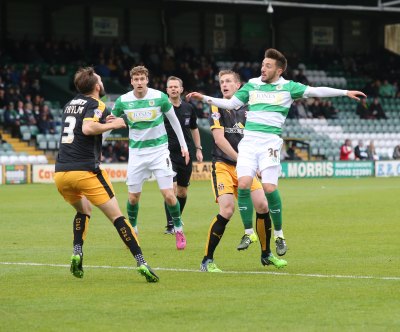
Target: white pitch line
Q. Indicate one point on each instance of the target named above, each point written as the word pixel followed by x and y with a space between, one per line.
pixel 312 275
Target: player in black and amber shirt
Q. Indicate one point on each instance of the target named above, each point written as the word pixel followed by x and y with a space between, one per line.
pixel 78 176
pixel 187 117
pixel 80 152
pixel 227 129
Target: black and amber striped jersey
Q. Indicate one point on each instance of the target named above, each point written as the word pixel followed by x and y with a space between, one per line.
pixel 79 152
pixel 232 122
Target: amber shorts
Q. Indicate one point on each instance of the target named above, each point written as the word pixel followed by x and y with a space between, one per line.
pixel 73 185
pixel 224 180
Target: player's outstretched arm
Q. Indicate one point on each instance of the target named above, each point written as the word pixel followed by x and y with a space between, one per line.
pixel 356 94
pixel 173 120
pixel 230 104
pixel 322 91
pixel 194 95
pixel 90 127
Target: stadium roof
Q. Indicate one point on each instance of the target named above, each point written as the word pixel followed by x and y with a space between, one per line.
pixel 360 5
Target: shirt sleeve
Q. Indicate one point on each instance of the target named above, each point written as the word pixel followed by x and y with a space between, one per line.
pixel 176 126
pixel 96 111
pixel 228 104
pixel 215 118
pixel 118 109
pixel 165 104
pixel 243 93
pixel 297 90
pixel 193 117
pixel 321 92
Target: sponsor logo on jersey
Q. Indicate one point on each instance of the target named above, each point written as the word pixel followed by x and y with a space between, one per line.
pixel 216 116
pixel 141 115
pixel 262 97
pixel 236 129
pixel 98 113
pixel 187 121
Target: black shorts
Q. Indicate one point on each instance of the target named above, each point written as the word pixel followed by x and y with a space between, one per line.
pixel 183 172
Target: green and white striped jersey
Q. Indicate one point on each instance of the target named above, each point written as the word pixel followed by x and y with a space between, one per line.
pixel 268 104
pixel 147 133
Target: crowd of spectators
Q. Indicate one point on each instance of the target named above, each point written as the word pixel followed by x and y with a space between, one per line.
pixel 313 108
pixel 22 100
pixel 372 111
pixel 360 151
pixel 20 85
pixel 116 152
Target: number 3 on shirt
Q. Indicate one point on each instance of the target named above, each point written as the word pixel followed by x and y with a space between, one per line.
pixel 69 127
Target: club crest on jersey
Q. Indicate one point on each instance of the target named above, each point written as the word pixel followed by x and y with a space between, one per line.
pixel 221 187
pixel 98 113
pixel 216 116
pixel 256 86
pixel 151 102
pixel 279 87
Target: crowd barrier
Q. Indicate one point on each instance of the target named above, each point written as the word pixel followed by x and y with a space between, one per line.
pixel 21 174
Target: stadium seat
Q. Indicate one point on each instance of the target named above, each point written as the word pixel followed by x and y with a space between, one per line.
pixel 4 160
pixel 32 159
pixel 23 159
pixel 42 159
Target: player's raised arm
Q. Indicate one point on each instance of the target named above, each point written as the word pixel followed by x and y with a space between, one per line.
pixel 229 104
pixel 95 128
pixel 353 94
pixel 173 120
pixel 321 92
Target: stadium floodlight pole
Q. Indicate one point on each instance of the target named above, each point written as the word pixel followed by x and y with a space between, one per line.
pixel 270 11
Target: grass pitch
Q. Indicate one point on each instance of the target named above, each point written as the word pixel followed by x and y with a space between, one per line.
pixel 343 270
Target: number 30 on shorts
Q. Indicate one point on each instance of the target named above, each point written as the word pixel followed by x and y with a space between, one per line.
pixel 273 153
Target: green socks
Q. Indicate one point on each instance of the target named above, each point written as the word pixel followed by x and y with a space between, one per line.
pixel 133 211
pixel 175 212
pixel 245 207
pixel 275 208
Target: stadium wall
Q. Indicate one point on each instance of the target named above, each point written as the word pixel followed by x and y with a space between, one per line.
pixel 22 174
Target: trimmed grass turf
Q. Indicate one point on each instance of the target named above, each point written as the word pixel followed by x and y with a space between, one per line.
pixel 346 227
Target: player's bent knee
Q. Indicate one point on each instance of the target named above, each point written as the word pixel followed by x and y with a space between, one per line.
pixel 245 182
pixel 269 188
pixel 133 198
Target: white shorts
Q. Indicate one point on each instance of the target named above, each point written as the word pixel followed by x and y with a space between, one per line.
pixel 260 153
pixel 141 167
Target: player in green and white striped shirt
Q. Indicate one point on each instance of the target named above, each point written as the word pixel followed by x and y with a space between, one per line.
pixel 148 145
pixel 269 98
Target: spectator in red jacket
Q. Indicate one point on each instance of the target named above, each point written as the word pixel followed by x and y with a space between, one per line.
pixel 346 150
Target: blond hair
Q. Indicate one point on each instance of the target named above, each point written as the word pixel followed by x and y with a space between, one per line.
pixel 229 72
pixel 139 70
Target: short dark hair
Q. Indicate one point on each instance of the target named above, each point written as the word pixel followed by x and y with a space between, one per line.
pixel 278 56
pixel 85 80
pixel 174 78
